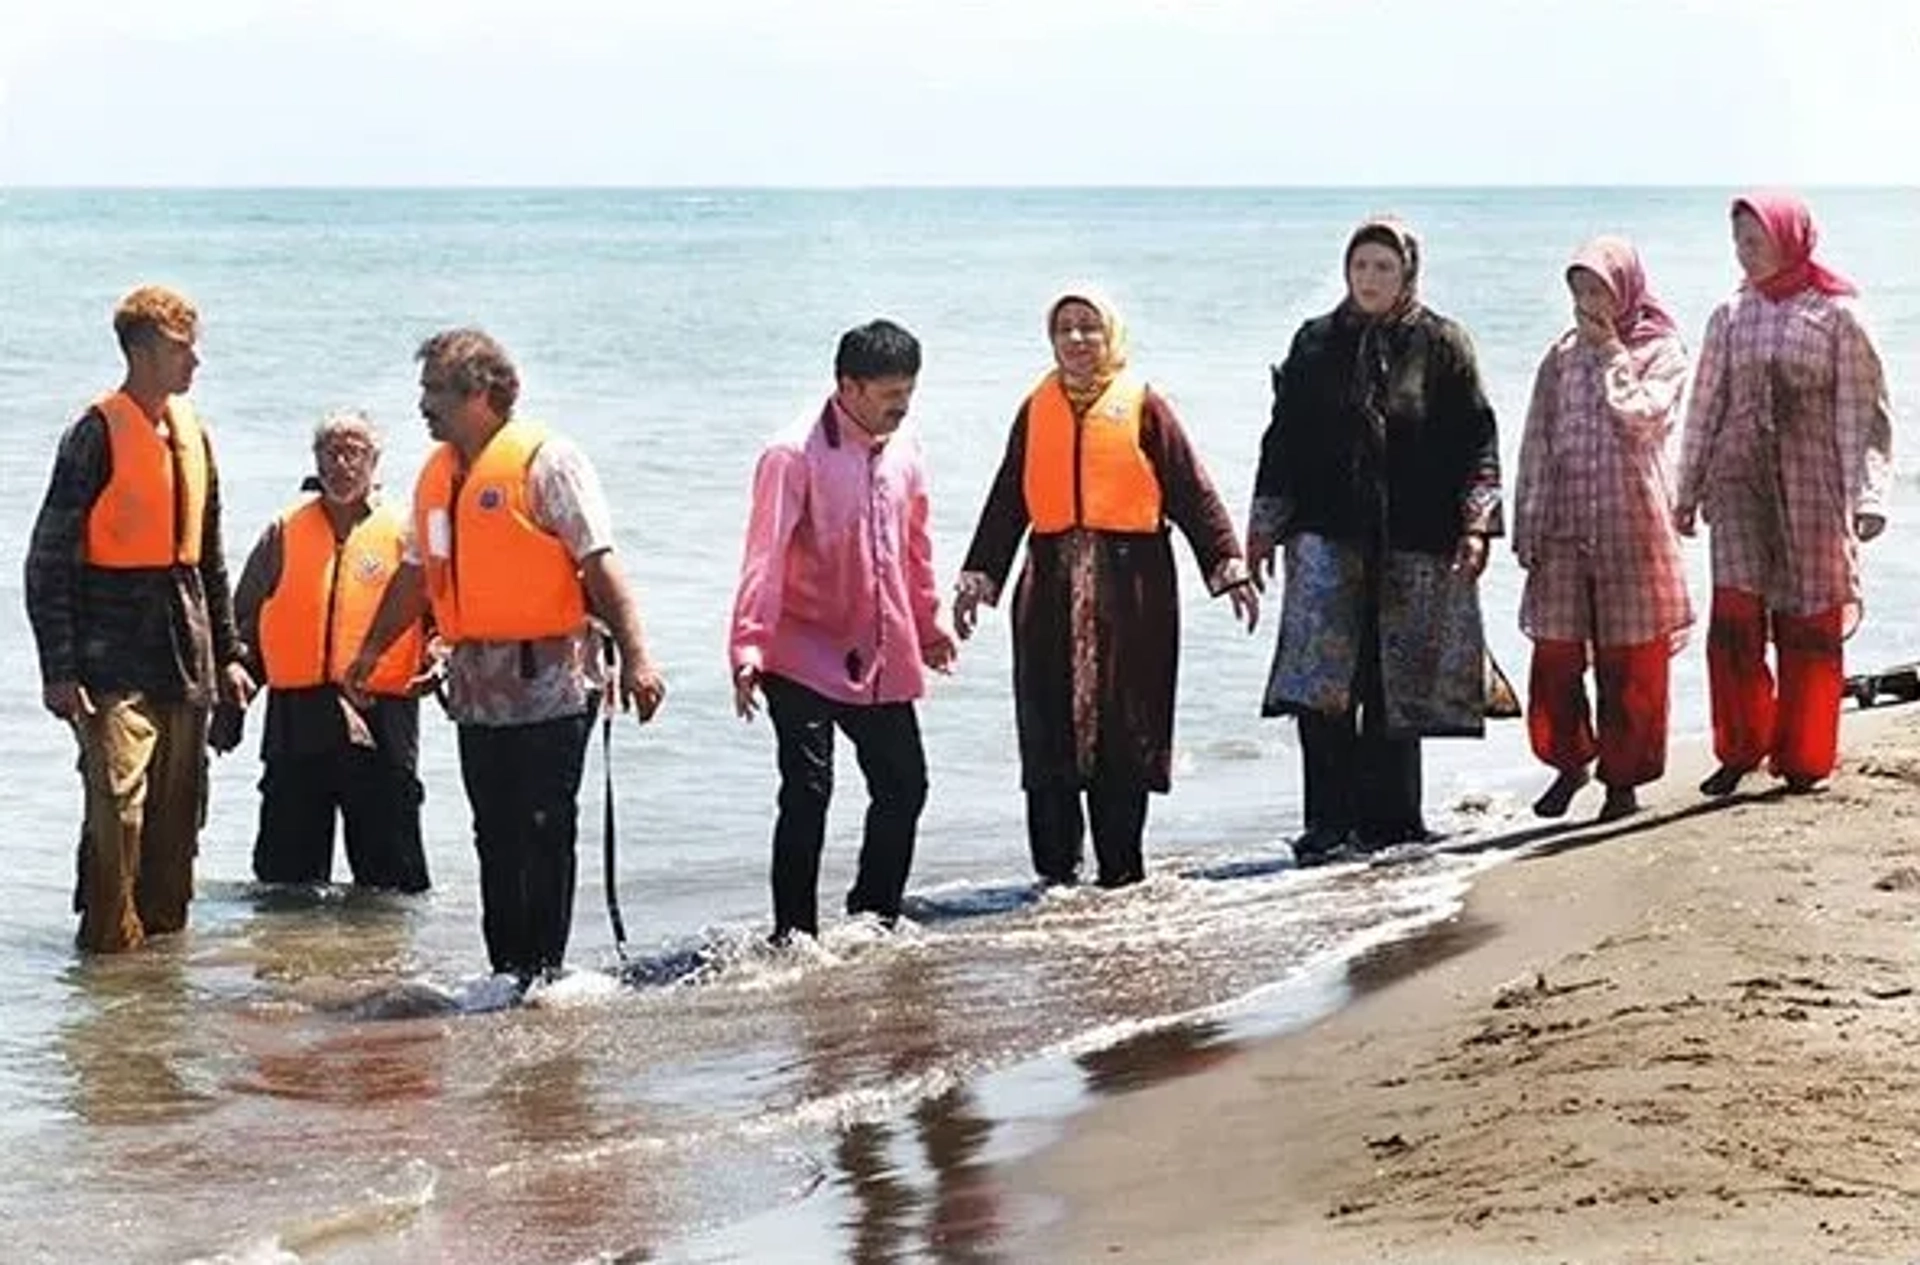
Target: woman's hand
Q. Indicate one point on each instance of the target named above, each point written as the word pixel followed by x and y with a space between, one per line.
pixel 1470 556
pixel 1246 604
pixel 1260 559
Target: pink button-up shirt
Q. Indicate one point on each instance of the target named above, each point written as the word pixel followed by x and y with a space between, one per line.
pixel 836 589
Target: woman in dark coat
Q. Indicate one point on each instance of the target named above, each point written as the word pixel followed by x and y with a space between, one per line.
pixel 1096 467
pixel 1379 480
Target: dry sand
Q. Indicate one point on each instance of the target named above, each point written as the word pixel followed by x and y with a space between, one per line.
pixel 1692 1036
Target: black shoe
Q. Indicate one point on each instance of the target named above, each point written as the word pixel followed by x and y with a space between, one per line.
pixel 1620 802
pixel 1724 781
pixel 858 904
pixel 1559 797
pixel 1375 836
pixel 1321 845
pixel 1801 784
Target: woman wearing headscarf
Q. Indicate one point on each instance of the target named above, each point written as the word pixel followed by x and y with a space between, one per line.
pixel 1379 480
pixel 1096 467
pixel 1593 527
pixel 1788 456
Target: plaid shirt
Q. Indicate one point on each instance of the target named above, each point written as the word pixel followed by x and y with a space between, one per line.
pixel 1593 523
pixel 153 630
pixel 1789 437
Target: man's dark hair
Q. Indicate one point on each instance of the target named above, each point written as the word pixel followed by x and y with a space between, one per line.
pixel 472 360
pixel 878 349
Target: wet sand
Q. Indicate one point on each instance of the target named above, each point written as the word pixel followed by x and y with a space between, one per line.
pixel 1690 1036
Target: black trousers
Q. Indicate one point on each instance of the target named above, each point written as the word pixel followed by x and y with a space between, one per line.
pixel 1357 778
pixel 886 741
pixel 1361 780
pixel 1117 808
pixel 378 801
pixel 523 783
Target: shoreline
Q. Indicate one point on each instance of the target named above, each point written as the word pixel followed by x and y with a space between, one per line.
pixel 1688 1034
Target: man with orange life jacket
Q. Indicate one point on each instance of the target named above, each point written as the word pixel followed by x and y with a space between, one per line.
pixel 1097 465
pixel 305 600
pixel 126 588
pixel 511 544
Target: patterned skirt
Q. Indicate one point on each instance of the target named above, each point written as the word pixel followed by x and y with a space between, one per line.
pixel 1339 607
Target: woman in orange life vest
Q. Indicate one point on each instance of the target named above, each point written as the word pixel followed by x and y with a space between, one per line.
pixel 304 603
pixel 1096 467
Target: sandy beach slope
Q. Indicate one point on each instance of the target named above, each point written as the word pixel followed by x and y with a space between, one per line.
pixel 1693 1036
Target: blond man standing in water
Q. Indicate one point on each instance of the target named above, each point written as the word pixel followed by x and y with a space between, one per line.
pixel 126 587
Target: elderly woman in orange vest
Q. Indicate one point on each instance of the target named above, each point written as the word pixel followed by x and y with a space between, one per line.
pixel 1096 467
pixel 304 603
pixel 1788 457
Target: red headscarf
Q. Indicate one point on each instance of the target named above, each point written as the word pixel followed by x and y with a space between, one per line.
pixel 1789 225
pixel 1641 317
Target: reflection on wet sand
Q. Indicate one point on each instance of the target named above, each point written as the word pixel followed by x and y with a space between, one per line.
pixel 884 1202
pixel 1161 1054
pixel 360 1067
pixel 311 939
pixel 1395 960
pixel 964 1221
pixel 946 1206
pixel 935 1200
pixel 315 950
pixel 130 1040
pixel 569 1185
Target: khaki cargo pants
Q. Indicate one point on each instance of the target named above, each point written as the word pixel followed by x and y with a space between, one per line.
pixel 144 765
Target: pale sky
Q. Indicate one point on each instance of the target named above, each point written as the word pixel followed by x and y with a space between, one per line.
pixel 958 92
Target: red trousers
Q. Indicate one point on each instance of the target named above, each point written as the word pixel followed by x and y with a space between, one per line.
pixel 1799 727
pixel 1631 737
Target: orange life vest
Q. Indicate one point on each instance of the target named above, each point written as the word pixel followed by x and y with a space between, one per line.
pixel 492 572
pixel 152 510
pixel 313 623
pixel 1090 473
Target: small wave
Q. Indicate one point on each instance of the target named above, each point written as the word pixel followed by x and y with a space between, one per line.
pixel 1238 868
pixel 575 990
pixel 962 900
pixel 411 1190
pixel 741 957
pixel 864 1105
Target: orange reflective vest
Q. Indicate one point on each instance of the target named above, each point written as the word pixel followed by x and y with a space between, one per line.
pixel 151 512
pixel 1090 473
pixel 492 572
pixel 314 621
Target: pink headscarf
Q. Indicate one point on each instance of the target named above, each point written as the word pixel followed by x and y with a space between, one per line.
pixel 1641 317
pixel 1790 226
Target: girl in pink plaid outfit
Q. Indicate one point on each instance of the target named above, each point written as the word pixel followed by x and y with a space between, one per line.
pixel 1788 456
pixel 1593 528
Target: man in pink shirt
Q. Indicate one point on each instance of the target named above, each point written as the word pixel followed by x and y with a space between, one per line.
pixel 836 618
